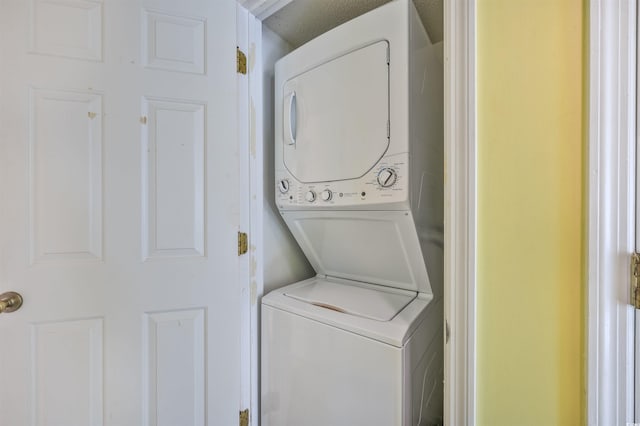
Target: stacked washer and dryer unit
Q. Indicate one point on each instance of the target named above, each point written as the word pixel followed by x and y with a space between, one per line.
pixel 359 177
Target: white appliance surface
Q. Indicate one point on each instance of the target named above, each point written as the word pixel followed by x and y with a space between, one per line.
pixel 336 116
pixel 318 371
pixel 393 332
pixel 332 147
pixel 358 175
pixel 379 247
pixel 354 299
pixel 332 377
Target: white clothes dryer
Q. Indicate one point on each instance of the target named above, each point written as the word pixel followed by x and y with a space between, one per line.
pixel 359 165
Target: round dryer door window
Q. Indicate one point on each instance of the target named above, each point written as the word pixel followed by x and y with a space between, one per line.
pixel 336 116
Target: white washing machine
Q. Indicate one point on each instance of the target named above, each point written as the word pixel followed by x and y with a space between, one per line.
pixel 359 176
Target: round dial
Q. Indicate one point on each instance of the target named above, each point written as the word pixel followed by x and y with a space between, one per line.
pixel 387 177
pixel 310 196
pixel 326 195
pixel 283 186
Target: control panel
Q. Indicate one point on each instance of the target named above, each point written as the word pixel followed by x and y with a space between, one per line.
pixel 387 182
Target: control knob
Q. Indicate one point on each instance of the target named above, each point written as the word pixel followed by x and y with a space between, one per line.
pixel 283 186
pixel 326 195
pixel 387 177
pixel 310 196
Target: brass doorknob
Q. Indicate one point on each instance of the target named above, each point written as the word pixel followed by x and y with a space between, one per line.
pixel 9 302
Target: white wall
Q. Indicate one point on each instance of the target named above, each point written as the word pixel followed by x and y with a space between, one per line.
pixel 284 262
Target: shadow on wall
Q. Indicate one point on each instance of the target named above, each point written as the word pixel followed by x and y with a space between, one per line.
pixel 284 262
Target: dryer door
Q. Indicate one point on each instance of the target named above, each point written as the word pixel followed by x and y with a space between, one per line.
pixel 336 115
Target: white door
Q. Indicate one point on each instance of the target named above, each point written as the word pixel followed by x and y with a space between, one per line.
pixel 119 213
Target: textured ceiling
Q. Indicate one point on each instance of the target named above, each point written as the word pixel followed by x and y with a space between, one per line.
pixel 302 20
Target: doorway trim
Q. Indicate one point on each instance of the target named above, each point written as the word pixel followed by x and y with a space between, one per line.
pixel 249 89
pixel 460 204
pixel 611 211
pixel 460 212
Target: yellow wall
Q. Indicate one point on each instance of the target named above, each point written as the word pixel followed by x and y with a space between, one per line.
pixel 530 183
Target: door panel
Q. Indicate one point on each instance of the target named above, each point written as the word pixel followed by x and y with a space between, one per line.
pixel 79 369
pixel 174 396
pixel 173 185
pixel 71 29
pixel 119 213
pixel 65 166
pixel 173 42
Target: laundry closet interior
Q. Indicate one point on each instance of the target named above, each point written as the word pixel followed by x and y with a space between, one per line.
pixel 283 27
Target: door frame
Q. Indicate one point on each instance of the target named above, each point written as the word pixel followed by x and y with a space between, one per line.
pixel 611 210
pixel 249 41
pixel 460 230
pixel 460 201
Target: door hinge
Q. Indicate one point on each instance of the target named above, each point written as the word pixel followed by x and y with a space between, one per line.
pixel 243 243
pixel 244 417
pixel 241 60
pixel 635 280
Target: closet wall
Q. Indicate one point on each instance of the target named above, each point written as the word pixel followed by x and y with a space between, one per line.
pixel 284 262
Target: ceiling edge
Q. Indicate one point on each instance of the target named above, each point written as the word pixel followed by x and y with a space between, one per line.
pixel 262 9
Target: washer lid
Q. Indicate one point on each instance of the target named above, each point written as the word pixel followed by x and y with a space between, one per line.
pixel 396 331
pixel 377 247
pixel 362 301
pixel 336 116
